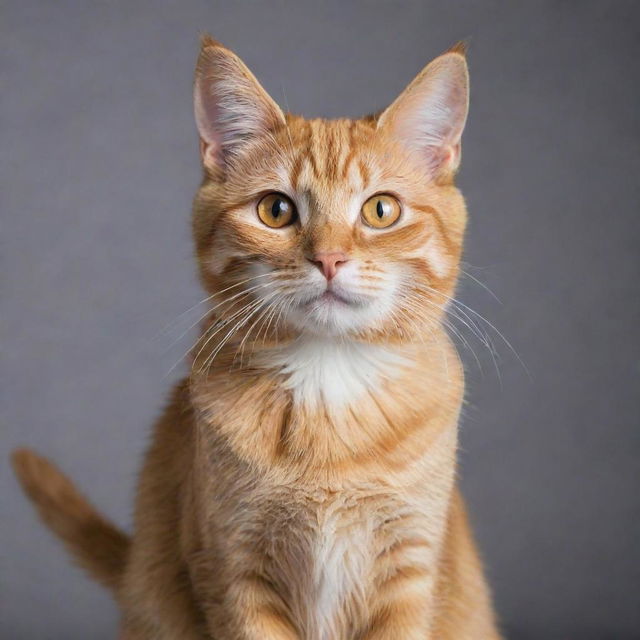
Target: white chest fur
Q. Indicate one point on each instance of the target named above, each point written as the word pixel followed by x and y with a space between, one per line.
pixel 335 372
pixel 339 569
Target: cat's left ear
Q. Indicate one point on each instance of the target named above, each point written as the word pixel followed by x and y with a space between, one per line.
pixel 429 115
pixel 231 107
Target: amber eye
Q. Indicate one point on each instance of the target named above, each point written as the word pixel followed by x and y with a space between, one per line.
pixel 276 210
pixel 381 211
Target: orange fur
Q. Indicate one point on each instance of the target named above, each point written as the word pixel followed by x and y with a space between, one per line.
pixel 97 545
pixel 301 483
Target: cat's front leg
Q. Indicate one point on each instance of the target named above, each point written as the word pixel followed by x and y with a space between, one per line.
pixel 401 605
pixel 256 611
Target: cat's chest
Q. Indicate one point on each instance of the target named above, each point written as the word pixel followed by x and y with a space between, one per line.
pixel 334 373
pixel 324 557
pixel 341 555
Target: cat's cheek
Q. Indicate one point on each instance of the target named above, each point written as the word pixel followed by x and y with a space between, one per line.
pixel 437 258
pixel 216 261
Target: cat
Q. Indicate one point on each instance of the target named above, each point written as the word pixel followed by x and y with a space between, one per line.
pixel 301 482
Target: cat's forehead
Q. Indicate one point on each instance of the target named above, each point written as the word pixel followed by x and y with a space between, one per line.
pixel 327 164
pixel 328 155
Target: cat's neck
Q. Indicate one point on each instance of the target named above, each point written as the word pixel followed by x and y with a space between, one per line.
pixel 334 372
pixel 321 401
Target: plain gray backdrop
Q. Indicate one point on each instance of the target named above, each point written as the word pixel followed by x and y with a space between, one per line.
pixel 100 162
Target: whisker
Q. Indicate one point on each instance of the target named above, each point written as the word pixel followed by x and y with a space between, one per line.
pixel 247 308
pixel 168 326
pixel 239 295
pixel 482 284
pixel 499 333
pixel 280 315
pixel 463 309
pixel 207 333
pixel 254 309
pixel 271 316
pixel 415 301
pixel 262 312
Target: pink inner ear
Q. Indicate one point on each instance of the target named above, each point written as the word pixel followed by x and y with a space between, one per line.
pixel 429 116
pixel 210 154
pixel 206 117
pixel 230 105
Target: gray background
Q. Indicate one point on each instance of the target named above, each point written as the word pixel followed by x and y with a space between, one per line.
pixel 99 163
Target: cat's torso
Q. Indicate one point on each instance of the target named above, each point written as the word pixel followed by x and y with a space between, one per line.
pixel 263 501
pixel 314 515
pixel 318 546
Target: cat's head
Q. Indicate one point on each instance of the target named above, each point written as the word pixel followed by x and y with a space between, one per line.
pixel 330 227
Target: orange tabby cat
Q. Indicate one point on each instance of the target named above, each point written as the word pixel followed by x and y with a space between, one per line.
pixel 301 483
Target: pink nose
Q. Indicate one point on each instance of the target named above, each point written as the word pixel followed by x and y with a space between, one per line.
pixel 328 262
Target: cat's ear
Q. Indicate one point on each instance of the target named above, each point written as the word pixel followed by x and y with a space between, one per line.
pixel 230 105
pixel 429 115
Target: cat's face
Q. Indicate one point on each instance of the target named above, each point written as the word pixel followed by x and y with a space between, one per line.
pixel 329 227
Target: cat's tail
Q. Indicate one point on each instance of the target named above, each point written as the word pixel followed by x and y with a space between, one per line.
pixel 96 544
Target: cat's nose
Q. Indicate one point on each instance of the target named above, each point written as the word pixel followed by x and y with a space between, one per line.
pixel 329 262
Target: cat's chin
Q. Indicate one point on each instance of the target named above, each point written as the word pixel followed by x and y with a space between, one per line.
pixel 330 314
pixel 330 297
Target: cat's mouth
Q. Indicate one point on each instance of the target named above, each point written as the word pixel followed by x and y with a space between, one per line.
pixel 330 297
pixel 332 310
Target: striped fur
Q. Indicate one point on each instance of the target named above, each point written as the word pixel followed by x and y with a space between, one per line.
pixel 301 483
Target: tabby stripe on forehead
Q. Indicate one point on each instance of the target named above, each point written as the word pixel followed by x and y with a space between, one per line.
pixel 364 173
pixel 311 151
pixel 331 165
pixel 352 151
pixel 296 169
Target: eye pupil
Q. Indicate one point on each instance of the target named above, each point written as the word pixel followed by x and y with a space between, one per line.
pixel 277 207
pixel 380 209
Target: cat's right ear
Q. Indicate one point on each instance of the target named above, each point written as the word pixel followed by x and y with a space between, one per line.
pixel 230 106
pixel 430 114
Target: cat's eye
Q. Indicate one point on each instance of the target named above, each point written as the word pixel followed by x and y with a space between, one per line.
pixel 381 211
pixel 276 210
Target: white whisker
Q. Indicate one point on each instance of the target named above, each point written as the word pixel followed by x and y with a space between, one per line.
pixel 238 295
pixel 482 284
pixel 168 326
